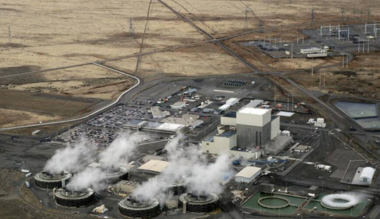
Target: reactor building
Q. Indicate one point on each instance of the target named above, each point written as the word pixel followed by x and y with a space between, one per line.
pixel 247 133
pixel 133 208
pixel 204 203
pixel 67 198
pixel 46 180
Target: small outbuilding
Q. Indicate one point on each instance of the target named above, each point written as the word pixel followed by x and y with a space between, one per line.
pixel 367 174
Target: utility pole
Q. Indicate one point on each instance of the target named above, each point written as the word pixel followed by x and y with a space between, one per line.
pixel 358 47
pixel 288 102
pixel 246 18
pixel 363 47
pixel 312 71
pixel 368 47
pixel 342 11
pixel 292 51
pixel 312 16
pixel 368 14
pixel 324 80
pixel 131 31
pixel 9 35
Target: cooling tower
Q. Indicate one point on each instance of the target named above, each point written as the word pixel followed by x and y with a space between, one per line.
pixel 131 207
pixel 46 180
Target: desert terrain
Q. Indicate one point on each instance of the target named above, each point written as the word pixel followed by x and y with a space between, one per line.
pixel 144 38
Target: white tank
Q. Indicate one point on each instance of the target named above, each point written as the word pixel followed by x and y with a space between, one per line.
pixel 320 120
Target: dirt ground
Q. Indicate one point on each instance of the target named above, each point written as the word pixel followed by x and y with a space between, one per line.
pixel 57 94
pixel 13 207
pixel 361 78
pixel 207 59
pixel 50 34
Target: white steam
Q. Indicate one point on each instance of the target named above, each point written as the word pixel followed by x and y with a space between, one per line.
pixel 72 158
pixel 187 166
pixel 120 150
pixel 206 178
pixel 88 178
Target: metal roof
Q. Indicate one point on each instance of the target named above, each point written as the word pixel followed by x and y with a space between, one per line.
pixel 227 134
pixel 255 111
pixel 248 172
pixel 154 166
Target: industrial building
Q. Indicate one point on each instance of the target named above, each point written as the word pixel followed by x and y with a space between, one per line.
pixel 247 133
pixel 190 120
pixel 248 174
pixel 125 186
pixel 178 105
pixel 161 127
pixel 366 175
pixel 65 197
pixel 193 202
pixel 157 113
pixel 133 208
pixel 229 103
pixel 313 50
pixel 46 180
pixel 154 166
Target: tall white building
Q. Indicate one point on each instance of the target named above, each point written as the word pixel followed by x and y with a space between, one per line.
pixel 245 133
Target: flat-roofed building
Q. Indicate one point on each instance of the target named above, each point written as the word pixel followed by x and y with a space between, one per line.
pixel 219 143
pixel 248 174
pixel 253 126
pixel 156 166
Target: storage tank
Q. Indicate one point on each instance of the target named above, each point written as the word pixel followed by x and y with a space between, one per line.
pixel 193 202
pixel 114 176
pixel 285 133
pixel 134 208
pixel 68 198
pixel 47 180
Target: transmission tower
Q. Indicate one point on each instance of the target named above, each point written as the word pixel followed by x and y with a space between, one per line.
pixel 131 31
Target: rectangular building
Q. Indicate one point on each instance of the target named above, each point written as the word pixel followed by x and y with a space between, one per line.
pixel 248 174
pixel 253 127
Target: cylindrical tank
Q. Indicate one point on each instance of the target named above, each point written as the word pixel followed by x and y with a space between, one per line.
pixel 199 203
pixel 133 208
pixel 114 176
pixel 46 180
pixel 69 198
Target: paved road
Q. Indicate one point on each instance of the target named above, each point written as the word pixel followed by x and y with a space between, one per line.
pixel 88 115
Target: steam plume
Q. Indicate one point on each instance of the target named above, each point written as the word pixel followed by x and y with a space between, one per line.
pixel 72 158
pixel 88 178
pixel 189 166
pixel 120 150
